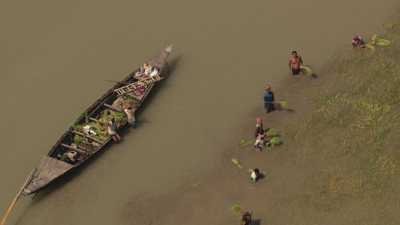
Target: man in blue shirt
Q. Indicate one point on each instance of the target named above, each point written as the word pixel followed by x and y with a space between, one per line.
pixel 269 99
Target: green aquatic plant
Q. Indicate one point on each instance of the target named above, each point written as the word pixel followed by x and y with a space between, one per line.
pixel 282 104
pixel 236 208
pixel 118 116
pixel 377 41
pixel 271 132
pixel 306 70
pixel 275 141
pixel 78 139
pixel 237 163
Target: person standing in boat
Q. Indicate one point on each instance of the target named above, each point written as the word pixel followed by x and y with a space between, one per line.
pixel 130 114
pixel 269 99
pixel 295 63
pixel 112 130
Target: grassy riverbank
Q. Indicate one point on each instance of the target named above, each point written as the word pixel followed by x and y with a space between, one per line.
pixel 352 138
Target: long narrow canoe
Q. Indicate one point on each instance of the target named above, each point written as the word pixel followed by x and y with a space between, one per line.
pixel 87 144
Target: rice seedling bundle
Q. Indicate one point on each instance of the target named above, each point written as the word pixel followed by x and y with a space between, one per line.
pixel 236 208
pixel 236 163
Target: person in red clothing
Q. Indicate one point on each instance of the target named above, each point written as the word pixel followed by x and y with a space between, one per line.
pixel 358 42
pixel 295 63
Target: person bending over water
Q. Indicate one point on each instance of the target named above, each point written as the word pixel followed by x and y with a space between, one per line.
pixel 112 130
pixel 130 114
pixel 358 42
pixel 246 218
pixel 295 63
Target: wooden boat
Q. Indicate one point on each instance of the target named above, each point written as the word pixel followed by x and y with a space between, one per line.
pixel 135 87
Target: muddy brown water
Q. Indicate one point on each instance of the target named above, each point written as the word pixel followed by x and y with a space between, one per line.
pixel 56 57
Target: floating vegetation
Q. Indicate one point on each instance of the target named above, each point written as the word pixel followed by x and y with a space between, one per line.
pixel 271 132
pixel 275 141
pixel 306 70
pixel 237 163
pixel 236 208
pixel 377 41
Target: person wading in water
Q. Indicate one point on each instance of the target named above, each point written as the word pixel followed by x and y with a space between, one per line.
pixel 269 99
pixel 295 63
pixel 246 218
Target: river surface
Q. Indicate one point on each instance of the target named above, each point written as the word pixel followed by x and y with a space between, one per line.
pixel 56 56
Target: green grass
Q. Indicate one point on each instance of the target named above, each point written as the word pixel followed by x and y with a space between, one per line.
pixel 356 122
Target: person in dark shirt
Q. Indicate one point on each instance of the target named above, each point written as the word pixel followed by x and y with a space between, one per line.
pixel 269 99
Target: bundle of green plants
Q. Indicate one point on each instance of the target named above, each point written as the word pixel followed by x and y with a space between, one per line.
pixel 107 115
pixel 236 163
pixel 306 70
pixel 271 132
pixel 377 41
pixel 78 139
pixel 282 104
pixel 118 116
pixel 236 208
pixel 275 141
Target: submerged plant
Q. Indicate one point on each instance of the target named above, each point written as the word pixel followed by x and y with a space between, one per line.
pixel 237 163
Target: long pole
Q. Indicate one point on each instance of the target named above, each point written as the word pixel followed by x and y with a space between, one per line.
pixel 14 202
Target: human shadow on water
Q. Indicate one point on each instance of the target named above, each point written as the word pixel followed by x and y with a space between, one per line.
pixel 255 222
pixel 279 107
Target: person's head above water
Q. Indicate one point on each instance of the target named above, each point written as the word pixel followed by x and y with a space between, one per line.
pixel 267 87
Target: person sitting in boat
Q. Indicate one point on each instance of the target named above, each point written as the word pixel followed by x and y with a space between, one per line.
pixel 147 69
pixel 112 130
pixel 154 72
pixel 71 156
pixel 130 114
pixel 358 42
pixel 88 130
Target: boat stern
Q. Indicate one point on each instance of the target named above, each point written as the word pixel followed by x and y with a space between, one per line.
pixel 48 170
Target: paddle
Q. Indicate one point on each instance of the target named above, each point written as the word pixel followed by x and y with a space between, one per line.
pixel 12 205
